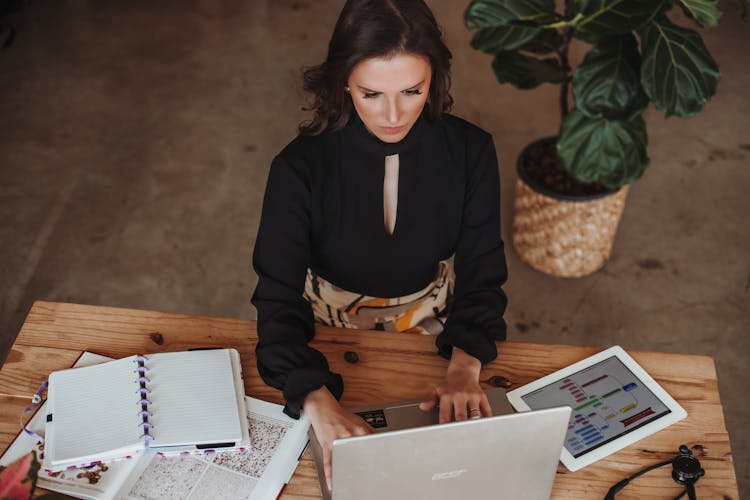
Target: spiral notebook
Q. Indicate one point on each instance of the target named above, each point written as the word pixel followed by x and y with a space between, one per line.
pixel 169 402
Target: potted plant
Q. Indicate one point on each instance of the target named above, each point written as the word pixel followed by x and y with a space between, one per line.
pixel 572 187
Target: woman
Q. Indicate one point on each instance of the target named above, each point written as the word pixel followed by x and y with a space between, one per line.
pixel 368 211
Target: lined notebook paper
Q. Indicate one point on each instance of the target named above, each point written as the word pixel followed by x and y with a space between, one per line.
pixel 192 400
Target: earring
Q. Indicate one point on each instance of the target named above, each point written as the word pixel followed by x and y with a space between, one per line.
pixel 346 89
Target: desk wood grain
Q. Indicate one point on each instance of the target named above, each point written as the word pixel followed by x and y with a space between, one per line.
pixel 389 367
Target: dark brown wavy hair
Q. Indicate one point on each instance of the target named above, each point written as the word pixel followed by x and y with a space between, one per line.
pixel 375 28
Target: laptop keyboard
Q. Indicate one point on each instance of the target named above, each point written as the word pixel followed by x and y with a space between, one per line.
pixel 376 418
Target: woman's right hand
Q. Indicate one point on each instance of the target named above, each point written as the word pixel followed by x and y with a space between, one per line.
pixel 331 421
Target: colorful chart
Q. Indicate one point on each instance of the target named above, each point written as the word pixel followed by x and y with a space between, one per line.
pixel 607 401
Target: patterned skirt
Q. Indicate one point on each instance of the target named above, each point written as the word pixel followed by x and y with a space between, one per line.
pixel 421 312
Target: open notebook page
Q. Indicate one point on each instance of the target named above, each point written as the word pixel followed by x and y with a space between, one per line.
pixel 195 402
pixel 94 410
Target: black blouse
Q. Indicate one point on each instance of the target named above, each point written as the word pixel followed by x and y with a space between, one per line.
pixel 323 209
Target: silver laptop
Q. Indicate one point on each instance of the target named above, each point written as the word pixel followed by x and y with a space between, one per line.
pixel 506 456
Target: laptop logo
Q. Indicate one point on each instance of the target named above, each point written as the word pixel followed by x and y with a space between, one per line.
pixel 448 475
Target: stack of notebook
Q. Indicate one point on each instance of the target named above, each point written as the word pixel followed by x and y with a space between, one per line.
pixel 255 473
pixel 168 402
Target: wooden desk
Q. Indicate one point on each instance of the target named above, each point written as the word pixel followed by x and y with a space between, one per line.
pixel 390 367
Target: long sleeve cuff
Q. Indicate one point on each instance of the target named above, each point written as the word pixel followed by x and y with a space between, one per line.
pixel 303 381
pixel 477 344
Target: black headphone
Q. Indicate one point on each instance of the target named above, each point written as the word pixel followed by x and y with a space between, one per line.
pixel 686 470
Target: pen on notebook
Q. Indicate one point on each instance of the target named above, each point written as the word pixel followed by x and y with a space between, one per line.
pixel 22 396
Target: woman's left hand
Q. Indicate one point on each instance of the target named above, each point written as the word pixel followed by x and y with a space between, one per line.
pixel 459 395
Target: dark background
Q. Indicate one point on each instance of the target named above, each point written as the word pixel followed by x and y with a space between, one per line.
pixel 136 136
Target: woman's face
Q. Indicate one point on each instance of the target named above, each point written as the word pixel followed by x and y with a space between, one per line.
pixel 389 94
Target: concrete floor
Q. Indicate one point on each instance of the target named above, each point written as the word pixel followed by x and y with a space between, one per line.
pixel 136 138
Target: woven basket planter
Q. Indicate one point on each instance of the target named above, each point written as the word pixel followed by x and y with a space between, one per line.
pixel 561 235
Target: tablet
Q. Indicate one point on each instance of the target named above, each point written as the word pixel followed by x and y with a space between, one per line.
pixel 615 403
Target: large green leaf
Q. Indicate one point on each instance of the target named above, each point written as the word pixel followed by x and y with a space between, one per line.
pixel 499 38
pixel 492 13
pixel 546 41
pixel 706 12
pixel 607 83
pixel 602 18
pixel 612 152
pixel 678 74
pixel 526 72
